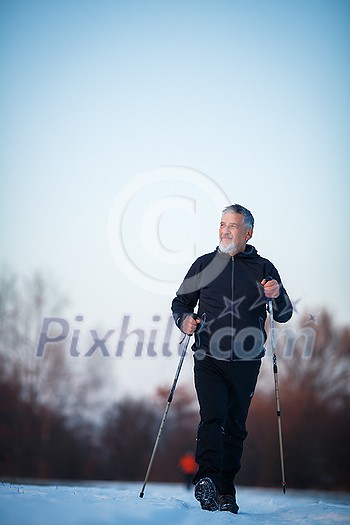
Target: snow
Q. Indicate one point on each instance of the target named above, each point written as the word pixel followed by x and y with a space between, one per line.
pixel 119 503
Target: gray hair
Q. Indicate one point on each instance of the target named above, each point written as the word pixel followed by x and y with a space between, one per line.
pixel 248 219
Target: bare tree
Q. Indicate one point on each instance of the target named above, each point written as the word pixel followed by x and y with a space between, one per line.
pixel 34 389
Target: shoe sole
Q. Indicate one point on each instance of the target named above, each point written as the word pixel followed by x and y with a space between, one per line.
pixel 205 492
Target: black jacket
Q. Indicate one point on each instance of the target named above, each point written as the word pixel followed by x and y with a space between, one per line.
pixel 231 303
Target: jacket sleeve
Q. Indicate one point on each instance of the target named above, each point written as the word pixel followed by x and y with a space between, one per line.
pixel 187 295
pixel 282 306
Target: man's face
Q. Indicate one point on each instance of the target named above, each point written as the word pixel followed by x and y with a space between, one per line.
pixel 233 234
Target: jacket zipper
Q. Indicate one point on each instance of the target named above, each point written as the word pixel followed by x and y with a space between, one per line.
pixel 232 299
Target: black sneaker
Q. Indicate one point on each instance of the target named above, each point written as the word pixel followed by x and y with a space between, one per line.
pixel 228 502
pixel 206 493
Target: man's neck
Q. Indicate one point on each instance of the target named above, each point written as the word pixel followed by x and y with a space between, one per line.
pixel 237 251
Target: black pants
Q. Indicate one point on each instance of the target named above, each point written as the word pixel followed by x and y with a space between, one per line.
pixel 224 390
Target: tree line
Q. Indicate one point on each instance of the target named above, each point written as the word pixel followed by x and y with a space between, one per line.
pixel 45 433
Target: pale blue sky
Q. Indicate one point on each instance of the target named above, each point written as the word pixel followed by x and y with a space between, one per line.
pixel 253 94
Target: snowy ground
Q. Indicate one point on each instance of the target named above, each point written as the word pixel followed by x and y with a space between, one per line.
pixel 170 504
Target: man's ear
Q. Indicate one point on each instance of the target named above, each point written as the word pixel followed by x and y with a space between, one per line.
pixel 249 234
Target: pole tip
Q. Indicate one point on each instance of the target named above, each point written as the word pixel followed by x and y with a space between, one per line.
pixel 284 488
pixel 141 494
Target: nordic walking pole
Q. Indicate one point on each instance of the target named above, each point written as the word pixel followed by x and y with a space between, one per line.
pixel 275 374
pixel 170 398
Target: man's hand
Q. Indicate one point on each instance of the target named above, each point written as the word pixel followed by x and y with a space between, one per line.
pixel 271 288
pixel 189 325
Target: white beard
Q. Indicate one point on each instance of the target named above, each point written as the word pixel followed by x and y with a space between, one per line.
pixel 228 248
